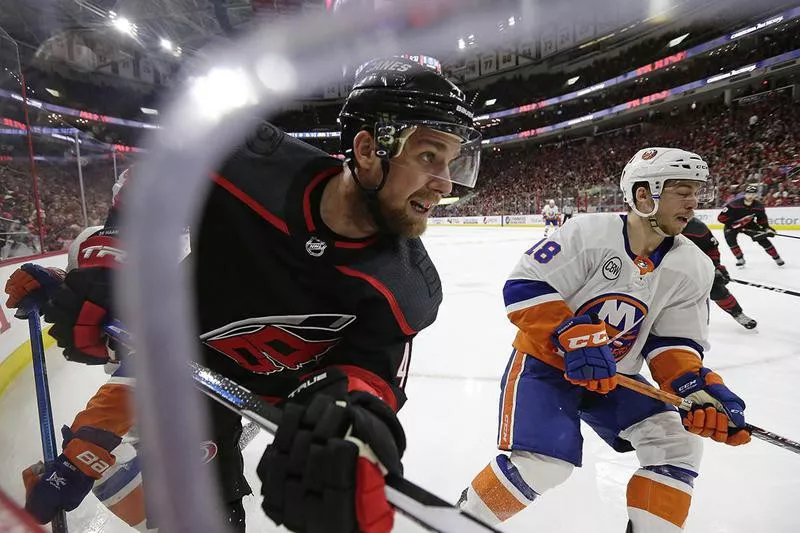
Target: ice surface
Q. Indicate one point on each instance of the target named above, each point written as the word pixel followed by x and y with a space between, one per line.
pixel 450 417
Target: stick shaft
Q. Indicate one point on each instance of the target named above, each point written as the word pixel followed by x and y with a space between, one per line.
pixel 767 287
pixel 45 408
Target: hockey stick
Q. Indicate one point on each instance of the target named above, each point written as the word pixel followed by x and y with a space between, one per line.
pixel 424 508
pixel 686 405
pixel 45 408
pixel 769 288
pixel 249 432
pixel 756 234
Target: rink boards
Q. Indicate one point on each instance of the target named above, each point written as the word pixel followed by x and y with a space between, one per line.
pixel 780 218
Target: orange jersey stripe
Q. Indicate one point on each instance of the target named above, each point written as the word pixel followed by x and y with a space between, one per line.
pixel 509 399
pixel 536 325
pixel 495 495
pixel 109 409
pixel 661 500
pixel 671 364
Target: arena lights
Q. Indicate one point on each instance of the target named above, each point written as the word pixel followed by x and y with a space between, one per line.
pixel 122 24
pixel 461 44
pixel 221 91
pixel 148 111
pixel 168 46
pixel 677 40
pixel 53 92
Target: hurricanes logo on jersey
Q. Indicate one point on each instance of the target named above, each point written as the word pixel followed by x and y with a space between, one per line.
pixel 623 315
pixel 269 344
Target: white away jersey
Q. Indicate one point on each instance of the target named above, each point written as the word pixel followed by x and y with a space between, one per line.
pixel 550 213
pixel 651 306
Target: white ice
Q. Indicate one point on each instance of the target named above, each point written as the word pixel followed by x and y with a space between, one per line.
pixel 450 417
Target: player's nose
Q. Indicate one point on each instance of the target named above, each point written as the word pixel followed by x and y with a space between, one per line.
pixel 442 185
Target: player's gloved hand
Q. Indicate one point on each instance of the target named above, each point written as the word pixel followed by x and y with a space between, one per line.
pixel 588 360
pixel 31 284
pixel 64 483
pixel 718 413
pixel 324 472
pixel 722 274
pixel 81 305
pixel 757 232
pixel 78 309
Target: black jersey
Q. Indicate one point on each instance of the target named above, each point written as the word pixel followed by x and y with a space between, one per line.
pixel 279 295
pixel 699 234
pixel 737 215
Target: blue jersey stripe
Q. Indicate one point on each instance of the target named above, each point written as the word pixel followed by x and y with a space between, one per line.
pixel 519 290
pixel 654 342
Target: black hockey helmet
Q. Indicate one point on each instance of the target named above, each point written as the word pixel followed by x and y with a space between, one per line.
pixel 751 188
pixel 394 96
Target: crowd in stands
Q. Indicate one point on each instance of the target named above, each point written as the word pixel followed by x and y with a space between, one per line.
pixel 758 142
pixel 60 198
pixel 754 142
pixel 524 89
pixel 735 55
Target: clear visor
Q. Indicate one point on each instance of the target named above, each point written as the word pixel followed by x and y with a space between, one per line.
pixel 704 194
pixel 450 152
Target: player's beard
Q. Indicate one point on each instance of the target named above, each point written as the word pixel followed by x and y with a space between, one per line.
pixel 400 221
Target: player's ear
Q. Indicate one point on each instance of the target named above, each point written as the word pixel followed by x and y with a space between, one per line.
pixel 643 196
pixel 364 150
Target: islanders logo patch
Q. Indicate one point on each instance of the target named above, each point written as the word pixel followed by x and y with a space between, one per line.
pixel 623 315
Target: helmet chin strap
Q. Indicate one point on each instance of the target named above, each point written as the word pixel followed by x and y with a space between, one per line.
pixel 651 218
pixel 370 195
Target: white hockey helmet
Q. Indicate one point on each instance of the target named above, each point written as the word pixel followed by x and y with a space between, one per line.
pixel 656 166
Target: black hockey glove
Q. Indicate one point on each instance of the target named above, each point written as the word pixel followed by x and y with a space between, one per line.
pixel 722 274
pixel 78 309
pixel 760 232
pixel 324 472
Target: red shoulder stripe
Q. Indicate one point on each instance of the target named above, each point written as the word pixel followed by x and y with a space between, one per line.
pixel 251 203
pixel 380 287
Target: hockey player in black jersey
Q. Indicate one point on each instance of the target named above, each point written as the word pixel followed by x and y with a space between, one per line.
pixel 699 234
pixel 310 285
pixel 745 214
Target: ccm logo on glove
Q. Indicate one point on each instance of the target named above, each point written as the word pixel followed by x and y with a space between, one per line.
pixel 599 338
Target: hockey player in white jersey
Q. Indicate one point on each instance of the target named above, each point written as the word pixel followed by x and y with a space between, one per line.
pixel 550 216
pixel 604 294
